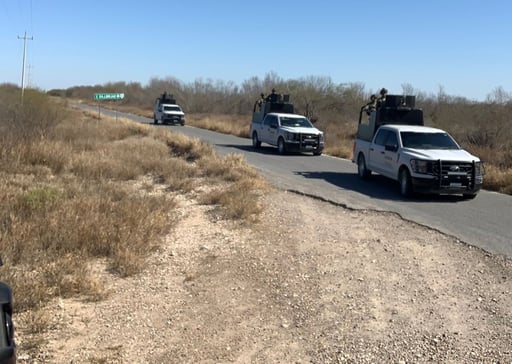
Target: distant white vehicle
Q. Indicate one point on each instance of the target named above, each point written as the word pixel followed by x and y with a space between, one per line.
pixel 167 111
pixel 394 143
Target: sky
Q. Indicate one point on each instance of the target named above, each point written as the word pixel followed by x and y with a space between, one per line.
pixel 458 47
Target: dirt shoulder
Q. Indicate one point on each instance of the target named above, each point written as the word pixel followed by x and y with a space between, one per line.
pixel 310 283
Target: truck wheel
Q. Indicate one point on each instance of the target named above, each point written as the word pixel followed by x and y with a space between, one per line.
pixel 7 346
pixel 317 152
pixel 255 142
pixel 281 148
pixel 362 171
pixel 155 121
pixel 405 183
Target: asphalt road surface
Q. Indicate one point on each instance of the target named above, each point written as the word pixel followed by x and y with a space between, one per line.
pixel 485 222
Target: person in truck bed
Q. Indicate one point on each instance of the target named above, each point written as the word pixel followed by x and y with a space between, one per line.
pixel 382 97
pixel 273 96
pixel 371 105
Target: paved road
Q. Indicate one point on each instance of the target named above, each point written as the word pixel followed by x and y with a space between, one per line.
pixel 485 222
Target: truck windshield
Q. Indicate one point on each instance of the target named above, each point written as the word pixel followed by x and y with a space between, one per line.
pixel 427 140
pixel 287 121
pixel 172 108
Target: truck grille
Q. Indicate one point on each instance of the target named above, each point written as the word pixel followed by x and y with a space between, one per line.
pixel 308 139
pixel 455 174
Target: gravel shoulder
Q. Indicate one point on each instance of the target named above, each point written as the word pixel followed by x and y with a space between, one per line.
pixel 309 283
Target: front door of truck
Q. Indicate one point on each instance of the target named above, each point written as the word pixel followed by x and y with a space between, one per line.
pixel 269 130
pixel 390 156
pixel 377 151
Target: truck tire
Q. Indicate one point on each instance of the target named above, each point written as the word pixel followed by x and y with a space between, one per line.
pixel 404 178
pixel 155 121
pixel 362 170
pixel 255 141
pixel 7 344
pixel 281 147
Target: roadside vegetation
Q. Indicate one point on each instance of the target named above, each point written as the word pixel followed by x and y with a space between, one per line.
pixel 80 194
pixel 483 128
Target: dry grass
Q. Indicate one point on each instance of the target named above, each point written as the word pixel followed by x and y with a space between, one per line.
pixel 77 191
pixel 498 179
pixel 240 200
pixel 227 124
pixel 339 139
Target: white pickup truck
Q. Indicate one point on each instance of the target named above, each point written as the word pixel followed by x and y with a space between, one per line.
pixel 422 159
pixel 274 123
pixel 167 111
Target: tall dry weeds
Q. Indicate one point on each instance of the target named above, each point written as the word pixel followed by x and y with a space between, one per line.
pixel 77 191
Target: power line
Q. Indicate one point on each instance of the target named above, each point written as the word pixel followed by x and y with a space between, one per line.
pixel 25 38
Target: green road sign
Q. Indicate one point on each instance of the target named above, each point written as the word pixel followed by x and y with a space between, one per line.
pixel 109 96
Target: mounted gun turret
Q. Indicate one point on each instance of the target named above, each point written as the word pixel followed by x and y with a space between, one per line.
pixel 390 109
pixel 274 102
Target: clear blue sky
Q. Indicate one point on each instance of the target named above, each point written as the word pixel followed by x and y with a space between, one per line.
pixel 463 46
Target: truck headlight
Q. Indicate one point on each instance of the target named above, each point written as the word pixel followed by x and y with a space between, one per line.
pixel 479 169
pixel 290 136
pixel 420 166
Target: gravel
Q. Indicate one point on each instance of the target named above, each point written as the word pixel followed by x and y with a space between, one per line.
pixel 309 283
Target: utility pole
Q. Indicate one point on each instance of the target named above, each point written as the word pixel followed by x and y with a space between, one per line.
pixel 25 38
pixel 29 76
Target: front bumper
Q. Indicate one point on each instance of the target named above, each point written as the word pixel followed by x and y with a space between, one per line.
pixel 435 185
pixel 174 119
pixel 305 143
pixel 297 147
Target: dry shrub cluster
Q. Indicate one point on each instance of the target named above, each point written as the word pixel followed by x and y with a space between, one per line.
pixel 240 199
pixel 498 179
pixel 339 138
pixel 228 124
pixel 78 192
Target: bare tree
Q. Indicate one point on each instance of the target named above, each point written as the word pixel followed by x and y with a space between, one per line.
pixel 499 96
